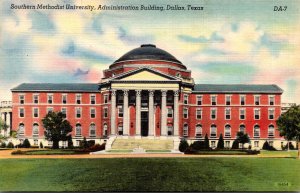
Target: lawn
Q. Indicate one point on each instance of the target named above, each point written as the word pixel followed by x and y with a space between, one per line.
pixel 150 174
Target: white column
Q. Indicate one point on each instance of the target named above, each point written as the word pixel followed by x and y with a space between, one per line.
pixel 176 116
pixel 151 113
pixel 8 123
pixel 163 126
pixel 138 113
pixel 3 116
pixel 125 113
pixel 113 113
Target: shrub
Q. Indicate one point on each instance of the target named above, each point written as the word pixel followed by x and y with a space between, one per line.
pixel 97 147
pixel 220 142
pixel 10 145
pixel 183 145
pixel 90 143
pixel 83 143
pixel 235 144
pixel 206 141
pixel 3 145
pixel 266 146
pixel 198 145
pixel 70 142
pixel 41 145
pixel 18 152
pixel 26 143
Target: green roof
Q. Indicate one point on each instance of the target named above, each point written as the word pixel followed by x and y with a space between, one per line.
pixel 237 88
pixel 59 87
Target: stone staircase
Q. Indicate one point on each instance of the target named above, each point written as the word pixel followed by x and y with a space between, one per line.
pixel 147 144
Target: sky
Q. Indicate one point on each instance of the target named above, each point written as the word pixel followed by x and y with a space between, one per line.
pixel 228 42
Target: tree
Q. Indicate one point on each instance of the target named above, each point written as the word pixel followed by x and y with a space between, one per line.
pixel 183 145
pixel 56 128
pixel 220 142
pixel 206 141
pixel 70 142
pixel 235 144
pixel 26 144
pixel 289 125
pixel 242 138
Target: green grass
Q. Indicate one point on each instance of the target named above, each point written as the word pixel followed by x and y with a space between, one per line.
pixel 120 150
pixel 150 174
pixel 291 153
pixel 50 152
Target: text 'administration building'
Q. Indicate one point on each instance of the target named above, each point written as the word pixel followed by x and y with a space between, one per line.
pixel 148 92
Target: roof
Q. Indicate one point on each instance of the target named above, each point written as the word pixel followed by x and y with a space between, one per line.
pixel 237 88
pixel 71 87
pixel 148 52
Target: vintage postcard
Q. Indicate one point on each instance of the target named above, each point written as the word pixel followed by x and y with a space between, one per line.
pixel 197 95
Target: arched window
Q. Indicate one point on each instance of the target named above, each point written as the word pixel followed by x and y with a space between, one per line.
pixel 227 132
pixel 35 129
pixel 92 130
pixel 256 131
pixel 21 129
pixel 105 129
pixel 78 129
pixel 170 129
pixel 242 128
pixel 185 130
pixel 271 131
pixel 198 130
pixel 120 129
pixel 213 130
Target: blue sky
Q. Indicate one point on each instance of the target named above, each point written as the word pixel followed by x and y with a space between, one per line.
pixel 229 41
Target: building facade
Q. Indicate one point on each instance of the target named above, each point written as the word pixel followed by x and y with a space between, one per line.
pixel 149 93
pixel 6 116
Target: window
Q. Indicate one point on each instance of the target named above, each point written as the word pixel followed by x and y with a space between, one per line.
pixel 35 112
pixel 35 99
pixel 199 100
pixel 256 131
pixel 256 143
pixel 271 100
pixel 93 112
pixel 120 111
pixel 213 144
pixel 227 113
pixel 227 144
pixel 213 131
pixel 105 133
pixel 242 114
pixel 256 114
pixel 132 99
pixel 21 99
pixel 228 99
pixel 50 98
pixel 78 98
pixel 227 131
pixel 242 99
pixel 198 113
pixel 21 129
pixel 35 142
pixel 105 112
pixel 185 113
pixel 78 112
pixel 92 130
pixel 169 99
pixel 170 130
pixel 213 100
pixel 64 99
pixel 21 112
pixel 198 130
pixel 242 128
pixel 170 112
pixel 106 99
pixel 271 114
pixel 256 100
pixel 271 131
pixel 120 99
pixel 64 112
pixel 271 143
pixel 78 129
pixel 185 130
pixel 35 129
pixel 49 109
pixel 92 99
pixel 78 142
pixel 120 129
pixel 185 99
pixel 213 114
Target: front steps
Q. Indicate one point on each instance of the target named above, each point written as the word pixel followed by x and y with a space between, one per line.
pixel 120 143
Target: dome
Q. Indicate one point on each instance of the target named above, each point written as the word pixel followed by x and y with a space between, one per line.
pixel 148 52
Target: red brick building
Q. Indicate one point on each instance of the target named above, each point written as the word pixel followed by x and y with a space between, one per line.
pixel 149 93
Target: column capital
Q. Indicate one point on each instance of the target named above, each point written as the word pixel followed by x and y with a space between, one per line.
pixel 163 93
pixel 125 92
pixel 138 92
pixel 176 93
pixel 151 92
pixel 113 92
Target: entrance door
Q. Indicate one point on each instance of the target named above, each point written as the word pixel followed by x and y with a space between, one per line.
pixel 144 123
